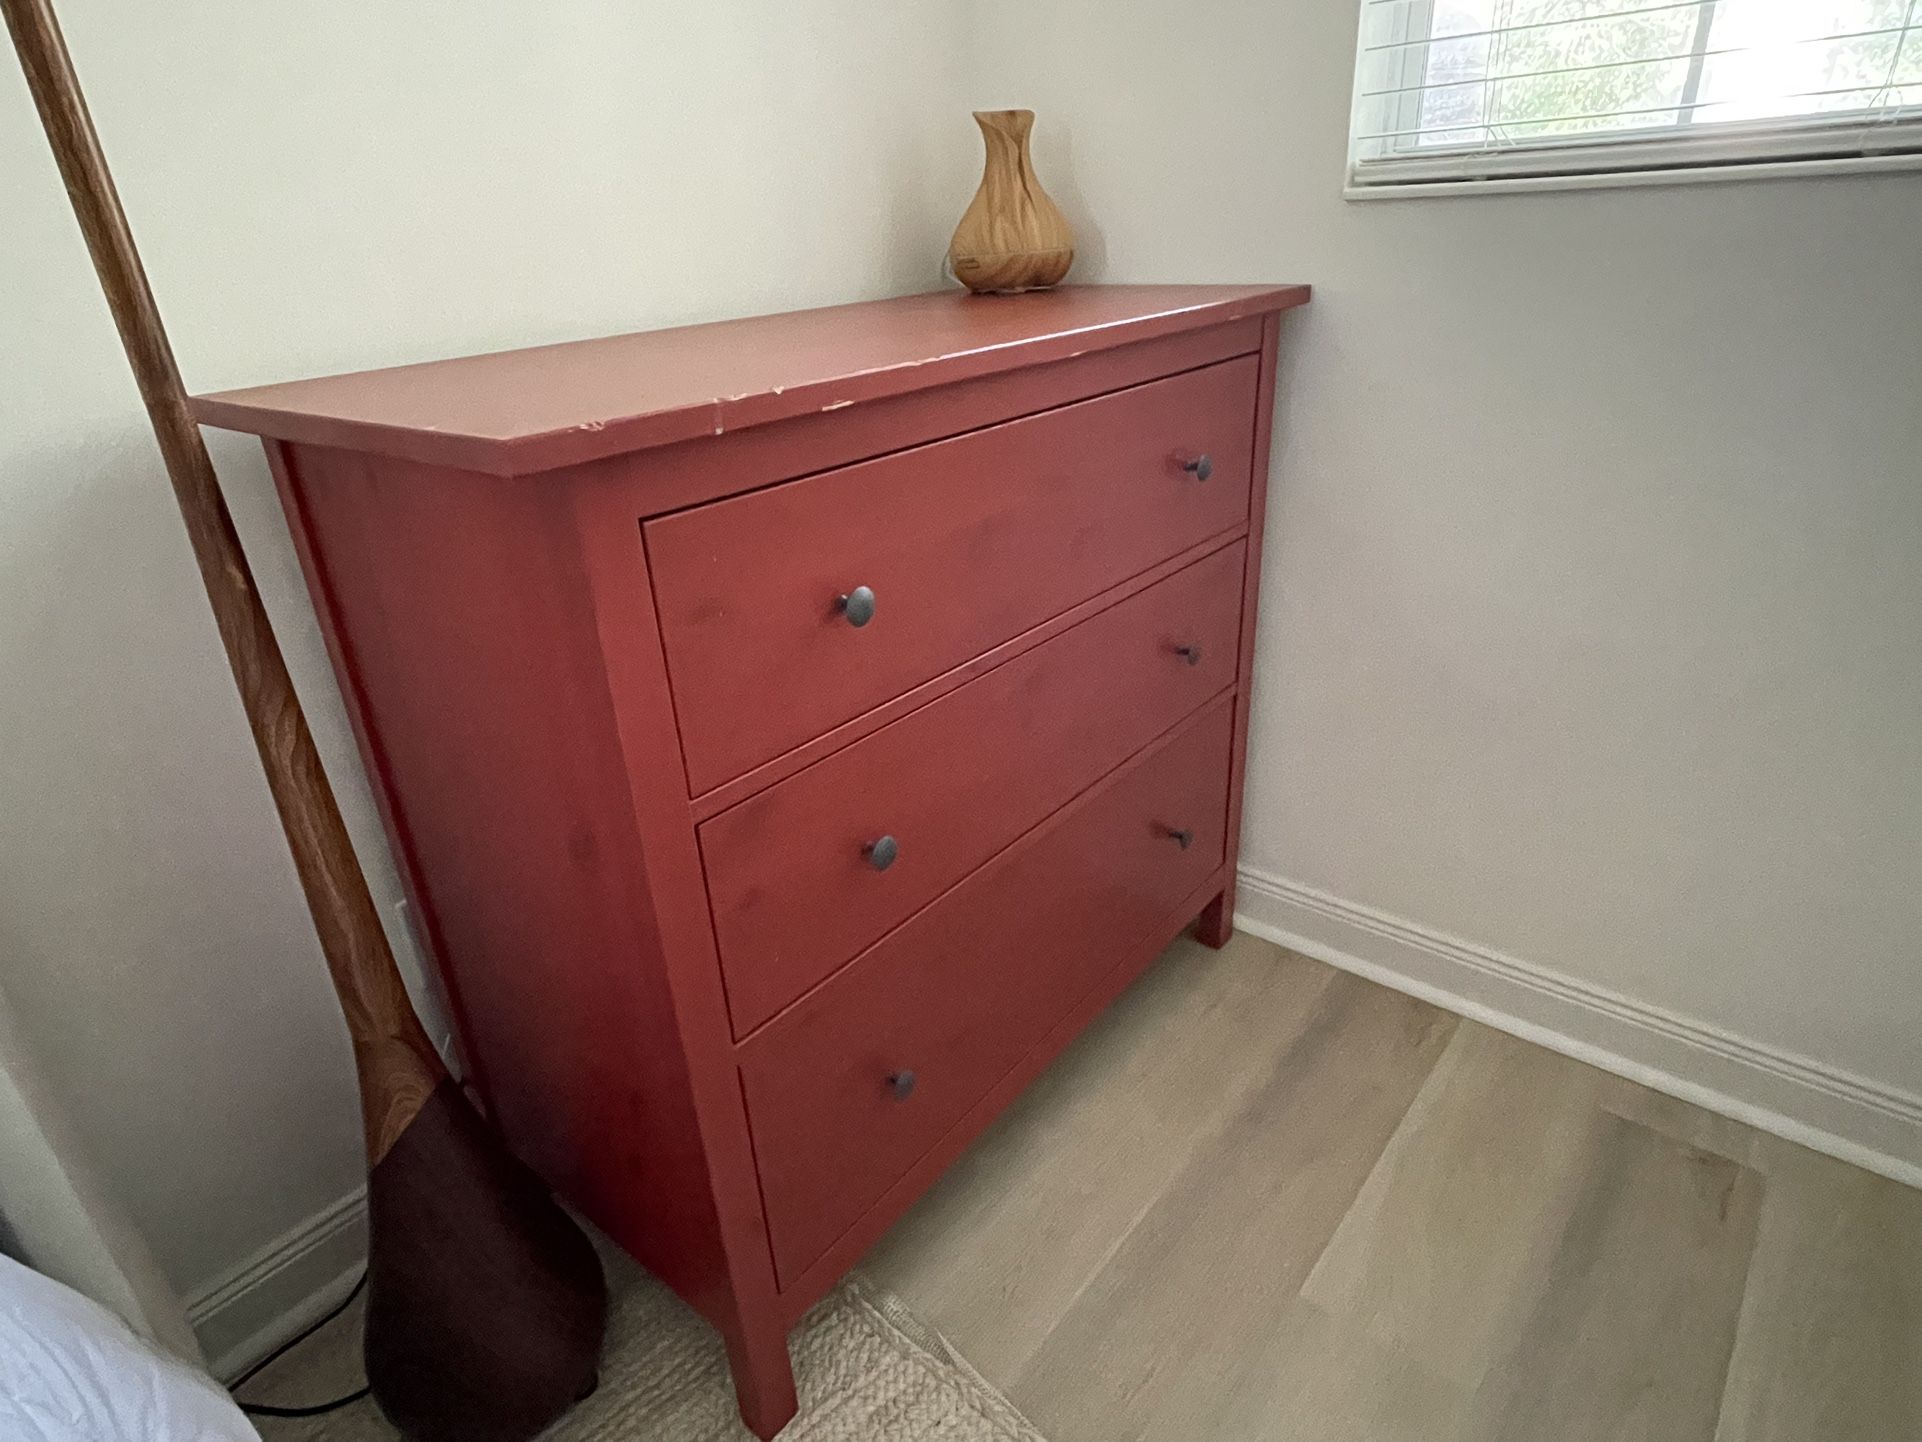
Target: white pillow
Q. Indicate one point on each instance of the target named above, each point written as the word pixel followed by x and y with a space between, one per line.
pixel 71 1371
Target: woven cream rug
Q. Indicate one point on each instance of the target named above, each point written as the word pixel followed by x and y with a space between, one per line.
pixel 866 1369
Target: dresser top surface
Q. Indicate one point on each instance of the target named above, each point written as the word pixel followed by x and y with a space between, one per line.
pixel 521 411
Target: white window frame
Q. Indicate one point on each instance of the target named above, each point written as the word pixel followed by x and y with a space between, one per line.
pixel 1846 143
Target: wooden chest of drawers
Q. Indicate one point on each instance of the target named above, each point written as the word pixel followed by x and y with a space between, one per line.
pixel 793 731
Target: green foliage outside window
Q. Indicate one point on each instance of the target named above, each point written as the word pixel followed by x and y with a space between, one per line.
pixel 1511 71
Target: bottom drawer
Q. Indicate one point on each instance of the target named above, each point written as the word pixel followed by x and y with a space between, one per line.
pixel 849 1087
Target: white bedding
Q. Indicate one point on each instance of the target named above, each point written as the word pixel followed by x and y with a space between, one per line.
pixel 71 1371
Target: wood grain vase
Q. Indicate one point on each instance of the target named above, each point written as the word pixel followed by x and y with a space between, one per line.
pixel 1013 236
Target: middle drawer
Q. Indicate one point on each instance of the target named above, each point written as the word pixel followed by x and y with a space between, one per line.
pixel 808 872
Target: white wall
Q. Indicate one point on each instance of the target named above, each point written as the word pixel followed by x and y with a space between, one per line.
pixel 317 187
pixel 1592 628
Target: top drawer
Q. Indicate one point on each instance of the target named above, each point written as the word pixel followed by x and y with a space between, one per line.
pixel 963 544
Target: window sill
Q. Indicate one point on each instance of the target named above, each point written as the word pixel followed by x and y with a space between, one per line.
pixel 1618 179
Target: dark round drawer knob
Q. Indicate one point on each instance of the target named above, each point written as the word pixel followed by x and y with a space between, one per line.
pixel 1200 467
pixel 900 1085
pixel 881 853
pixel 1190 654
pixel 857 605
pixel 1180 835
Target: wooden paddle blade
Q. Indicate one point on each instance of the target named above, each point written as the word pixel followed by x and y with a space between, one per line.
pixel 486 1305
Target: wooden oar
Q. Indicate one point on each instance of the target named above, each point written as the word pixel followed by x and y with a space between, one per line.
pixel 486 1304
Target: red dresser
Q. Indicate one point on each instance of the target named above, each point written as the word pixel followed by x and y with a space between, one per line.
pixel 793 731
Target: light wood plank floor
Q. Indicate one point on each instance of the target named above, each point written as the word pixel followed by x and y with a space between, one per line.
pixel 1266 1199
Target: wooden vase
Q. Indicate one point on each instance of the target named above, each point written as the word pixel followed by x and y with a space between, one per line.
pixel 1013 236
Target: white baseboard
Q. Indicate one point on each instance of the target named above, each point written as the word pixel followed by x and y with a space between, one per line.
pixel 1834 1111
pixel 284 1287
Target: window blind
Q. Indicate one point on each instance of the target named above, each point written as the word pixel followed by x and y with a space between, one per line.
pixel 1453 90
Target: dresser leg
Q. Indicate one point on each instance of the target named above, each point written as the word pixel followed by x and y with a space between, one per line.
pixel 1217 920
pixel 763 1376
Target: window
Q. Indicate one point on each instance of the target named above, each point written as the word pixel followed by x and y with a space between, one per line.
pixel 1531 92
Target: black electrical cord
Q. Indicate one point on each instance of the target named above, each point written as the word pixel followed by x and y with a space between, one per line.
pixel 261 1409
pixel 320 1409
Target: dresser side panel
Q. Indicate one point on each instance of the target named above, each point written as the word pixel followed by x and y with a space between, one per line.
pixel 461 625
pixel 1217 921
